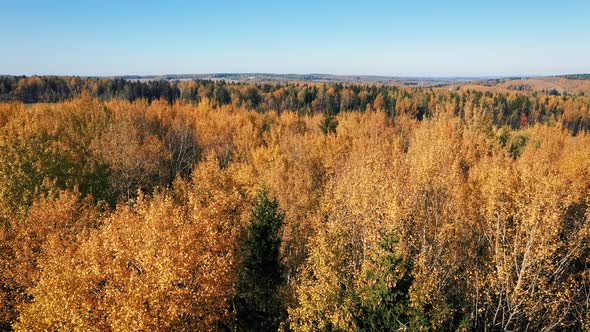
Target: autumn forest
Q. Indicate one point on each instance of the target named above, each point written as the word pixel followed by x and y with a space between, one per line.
pixel 207 205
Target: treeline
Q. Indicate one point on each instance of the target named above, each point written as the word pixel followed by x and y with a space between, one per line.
pixel 578 76
pixel 118 215
pixel 509 108
pixel 51 89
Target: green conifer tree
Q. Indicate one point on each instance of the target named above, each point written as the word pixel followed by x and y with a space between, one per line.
pixel 259 307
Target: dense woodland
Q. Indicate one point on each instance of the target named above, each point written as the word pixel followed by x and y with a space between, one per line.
pixel 212 206
pixel 514 107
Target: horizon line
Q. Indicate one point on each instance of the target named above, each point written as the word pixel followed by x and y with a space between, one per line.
pixel 487 76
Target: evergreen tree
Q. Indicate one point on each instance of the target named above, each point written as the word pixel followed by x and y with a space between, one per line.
pixel 259 306
pixel 329 125
pixel 222 96
pixel 384 304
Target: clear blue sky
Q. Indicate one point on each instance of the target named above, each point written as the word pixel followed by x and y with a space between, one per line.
pixel 418 38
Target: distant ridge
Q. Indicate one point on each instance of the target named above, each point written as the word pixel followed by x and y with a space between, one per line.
pixel 577 76
pixel 272 78
pixel 312 77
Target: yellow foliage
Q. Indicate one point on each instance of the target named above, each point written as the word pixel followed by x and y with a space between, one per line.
pixel 494 222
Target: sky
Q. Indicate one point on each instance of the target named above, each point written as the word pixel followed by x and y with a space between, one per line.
pixel 371 37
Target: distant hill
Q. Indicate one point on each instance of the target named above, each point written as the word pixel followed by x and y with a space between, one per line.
pixel 570 84
pixel 573 84
pixel 577 76
pixel 577 84
pixel 320 78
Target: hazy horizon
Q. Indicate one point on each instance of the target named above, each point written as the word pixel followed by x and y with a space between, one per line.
pixel 308 73
pixel 400 39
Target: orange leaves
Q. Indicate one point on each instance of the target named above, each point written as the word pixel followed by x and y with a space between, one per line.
pixel 52 227
pixel 483 231
pixel 494 223
pixel 359 205
pixel 379 102
pixel 134 161
pixel 155 265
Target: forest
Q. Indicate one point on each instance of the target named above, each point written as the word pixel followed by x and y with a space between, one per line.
pixel 505 107
pixel 217 206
